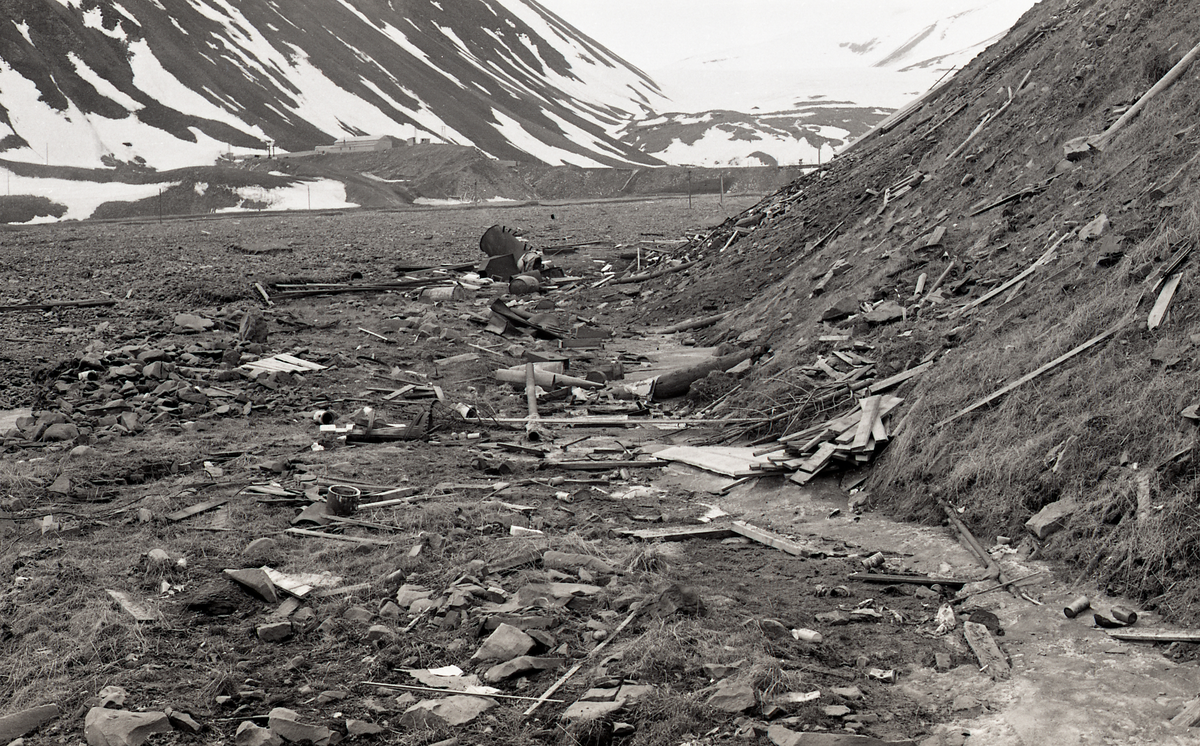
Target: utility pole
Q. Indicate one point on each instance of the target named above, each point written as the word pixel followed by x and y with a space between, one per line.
pixel 689 188
pixel 722 190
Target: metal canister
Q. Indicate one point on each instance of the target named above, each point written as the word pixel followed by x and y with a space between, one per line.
pixel 1124 615
pixel 1076 607
pixel 342 499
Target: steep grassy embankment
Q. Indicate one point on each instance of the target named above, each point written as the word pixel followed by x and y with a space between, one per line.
pixel 1102 428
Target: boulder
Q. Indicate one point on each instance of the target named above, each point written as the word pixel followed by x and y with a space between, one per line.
pixel 103 727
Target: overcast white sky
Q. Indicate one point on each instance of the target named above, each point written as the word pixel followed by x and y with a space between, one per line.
pixel 654 34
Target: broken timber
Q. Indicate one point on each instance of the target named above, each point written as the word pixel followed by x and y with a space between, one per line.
pixel 987 651
pixel 58 304
pixel 737 528
pixel 1146 635
pixel 192 510
pixel 869 577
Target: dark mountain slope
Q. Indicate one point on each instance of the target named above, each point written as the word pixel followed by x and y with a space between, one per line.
pixel 504 75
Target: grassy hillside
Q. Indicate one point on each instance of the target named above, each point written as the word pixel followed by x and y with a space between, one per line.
pixel 1102 428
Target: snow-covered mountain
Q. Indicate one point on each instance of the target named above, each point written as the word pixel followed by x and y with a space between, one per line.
pixel 781 68
pixel 169 83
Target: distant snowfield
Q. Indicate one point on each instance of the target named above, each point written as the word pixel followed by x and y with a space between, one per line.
pixel 319 194
pixel 81 198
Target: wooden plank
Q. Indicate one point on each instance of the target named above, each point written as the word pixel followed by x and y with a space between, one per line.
pixel 1190 716
pixel 899 378
pixel 727 460
pixel 58 304
pixel 1046 258
pixel 771 539
pixel 135 609
pixel 1164 301
pixel 605 465
pixel 1030 376
pixel 820 459
pixel 870 412
pixel 987 651
pixel 190 511
pixel 285 609
pixel 874 577
pixel 1156 635
pixel 681 533
pixel 339 537
pixel 879 431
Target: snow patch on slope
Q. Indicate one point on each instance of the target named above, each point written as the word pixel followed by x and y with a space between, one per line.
pixel 512 131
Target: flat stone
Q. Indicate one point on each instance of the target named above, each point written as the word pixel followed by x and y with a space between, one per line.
pixel 249 734
pixel 103 727
pixel 331 695
pixel 586 712
pixel 1051 518
pixel 1095 229
pixel 410 593
pixel 262 547
pixel 733 697
pixel 844 308
pixel 274 632
pixel 833 618
pixel 286 724
pixel 357 614
pixel 83 452
pixel 506 643
pixel 781 736
pixel 61 485
pixel 380 633
pixel 458 709
pixel 26 721
pixel 573 562
pixel 192 323
pixel 774 629
pixel 362 728
pixel 836 711
pixel 885 313
pixel 519 666
pixel 846 692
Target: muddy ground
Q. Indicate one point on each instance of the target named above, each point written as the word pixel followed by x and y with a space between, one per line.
pixel 709 636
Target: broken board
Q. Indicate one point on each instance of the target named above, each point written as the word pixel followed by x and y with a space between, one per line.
pixel 727 460
pixel 987 651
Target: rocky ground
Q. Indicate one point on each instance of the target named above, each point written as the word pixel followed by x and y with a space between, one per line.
pixel 322 517
pixel 148 477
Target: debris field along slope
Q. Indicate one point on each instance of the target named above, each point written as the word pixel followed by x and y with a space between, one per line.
pixel 1048 281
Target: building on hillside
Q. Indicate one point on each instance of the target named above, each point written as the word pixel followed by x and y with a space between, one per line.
pixel 360 144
